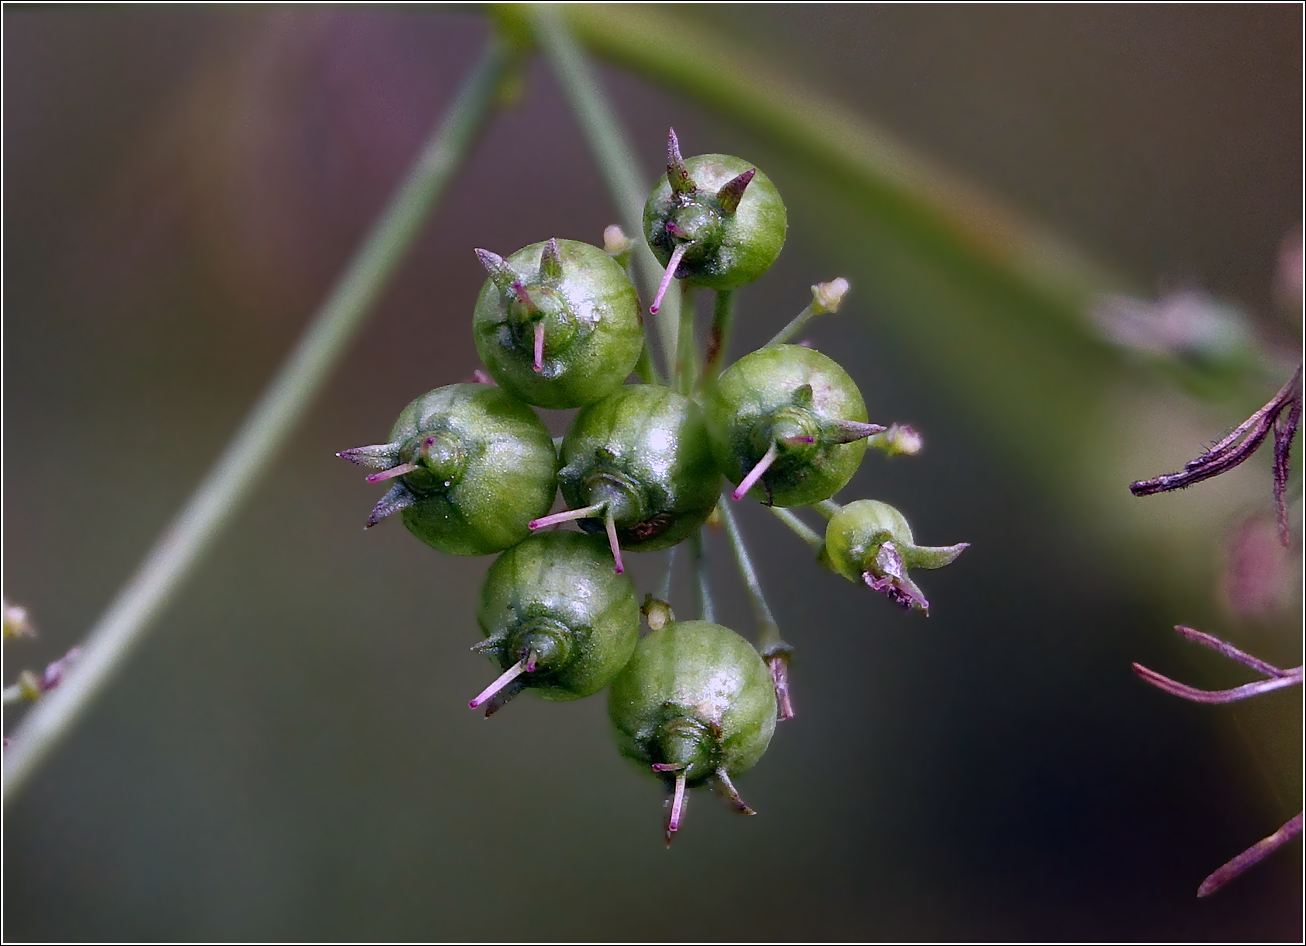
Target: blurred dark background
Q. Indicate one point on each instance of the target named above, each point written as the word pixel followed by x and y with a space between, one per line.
pixel 290 755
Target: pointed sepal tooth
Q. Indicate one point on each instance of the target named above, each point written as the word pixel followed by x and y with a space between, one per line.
pixel 677 174
pixel 551 263
pixel 732 191
pixel 379 456
pixel 924 556
pixel 498 269
pixel 802 396
pixel 491 645
pixel 850 431
pixel 396 498
pixel 725 788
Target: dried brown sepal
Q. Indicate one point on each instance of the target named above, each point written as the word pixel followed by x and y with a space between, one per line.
pixel 1240 444
pixel 732 191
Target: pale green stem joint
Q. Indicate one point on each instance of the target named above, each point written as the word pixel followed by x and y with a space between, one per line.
pixel 769 640
pixel 799 528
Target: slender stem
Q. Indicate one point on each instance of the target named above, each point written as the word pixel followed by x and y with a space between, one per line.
pixel 828 508
pixel 702 590
pixel 800 528
pixel 686 355
pixel 792 329
pixel 664 592
pixel 722 311
pixel 768 632
pixel 285 402
pixel 616 159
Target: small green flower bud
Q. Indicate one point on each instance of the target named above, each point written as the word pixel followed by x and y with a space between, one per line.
pixel 16 621
pixel 871 541
pixel 900 440
pixel 826 296
pixel 695 705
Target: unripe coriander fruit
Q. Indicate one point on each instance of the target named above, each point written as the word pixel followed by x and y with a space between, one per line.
pixel 557 619
pixel 713 220
pixel 695 705
pixel 787 424
pixel 471 465
pixel 558 324
pixel 870 541
pixel 638 465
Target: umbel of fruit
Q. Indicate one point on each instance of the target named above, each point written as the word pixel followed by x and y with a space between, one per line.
pixel 870 541
pixel 694 706
pixel 638 465
pixel 558 324
pixel 788 424
pixel 471 467
pixel 556 619
pixel 713 220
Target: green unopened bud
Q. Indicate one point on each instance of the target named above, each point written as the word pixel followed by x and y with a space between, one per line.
pixel 871 541
pixel 657 613
pixel 16 621
pixel 617 245
pixel 898 441
pixel 826 296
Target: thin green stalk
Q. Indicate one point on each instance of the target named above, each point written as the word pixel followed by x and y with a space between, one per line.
pixel 686 372
pixel 768 632
pixel 723 308
pixel 800 528
pixel 828 508
pixel 664 593
pixel 793 328
pixel 616 158
pixel 250 453
pixel 702 589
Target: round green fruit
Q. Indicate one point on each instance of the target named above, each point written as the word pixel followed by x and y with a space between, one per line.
pixel 471 467
pixel 556 619
pixel 639 464
pixel 788 425
pixel 558 324
pixel 695 705
pixel 714 220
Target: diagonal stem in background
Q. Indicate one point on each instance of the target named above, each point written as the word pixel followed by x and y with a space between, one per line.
pixel 284 403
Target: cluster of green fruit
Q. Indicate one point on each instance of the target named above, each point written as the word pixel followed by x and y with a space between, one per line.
pixel 474 471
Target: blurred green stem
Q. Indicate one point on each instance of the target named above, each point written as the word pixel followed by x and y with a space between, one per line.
pixel 768 632
pixel 827 507
pixel 723 308
pixel 702 589
pixel 800 528
pixel 285 402
pixel 608 142
pixel 686 354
